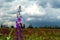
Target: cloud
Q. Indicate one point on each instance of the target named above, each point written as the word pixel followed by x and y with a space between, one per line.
pixel 36 12
pixel 9 0
pixel 9 23
pixel 55 3
pixel 29 19
pixel 58 17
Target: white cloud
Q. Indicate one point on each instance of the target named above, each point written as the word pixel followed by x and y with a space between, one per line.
pixel 35 10
pixel 29 19
pixel 13 15
pixel 0 18
pixel 58 17
pixel 9 23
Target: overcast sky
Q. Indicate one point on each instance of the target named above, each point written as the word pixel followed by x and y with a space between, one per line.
pixel 35 12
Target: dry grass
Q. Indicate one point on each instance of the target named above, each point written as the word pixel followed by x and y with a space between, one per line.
pixel 33 34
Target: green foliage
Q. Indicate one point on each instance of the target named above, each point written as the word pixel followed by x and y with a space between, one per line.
pixel 12 26
pixel 3 37
pixel 50 27
pixel 46 35
pixel 23 26
pixel 35 37
pixel 1 26
pixel 35 27
pixel 30 26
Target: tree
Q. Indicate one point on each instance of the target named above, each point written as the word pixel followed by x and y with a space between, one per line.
pixel 30 26
pixel 1 26
pixel 35 27
pixel 12 26
pixel 23 26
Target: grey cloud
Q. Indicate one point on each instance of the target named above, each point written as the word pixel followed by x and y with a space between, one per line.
pixel 13 12
pixel 5 6
pixel 9 0
pixel 46 19
pixel 42 3
pixel 13 20
pixel 43 23
pixel 56 4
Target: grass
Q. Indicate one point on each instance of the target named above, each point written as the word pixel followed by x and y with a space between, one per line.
pixel 33 34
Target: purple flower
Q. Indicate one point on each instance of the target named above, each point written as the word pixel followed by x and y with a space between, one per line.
pixel 18 26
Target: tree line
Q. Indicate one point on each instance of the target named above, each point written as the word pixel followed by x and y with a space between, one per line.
pixel 30 26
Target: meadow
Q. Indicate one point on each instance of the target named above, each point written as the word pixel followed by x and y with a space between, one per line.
pixel 30 34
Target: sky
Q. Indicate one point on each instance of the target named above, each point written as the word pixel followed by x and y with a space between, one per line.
pixel 34 12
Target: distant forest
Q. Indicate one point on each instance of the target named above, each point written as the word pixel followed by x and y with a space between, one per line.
pixel 30 26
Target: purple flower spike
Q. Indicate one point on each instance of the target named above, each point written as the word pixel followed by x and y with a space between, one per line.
pixel 18 27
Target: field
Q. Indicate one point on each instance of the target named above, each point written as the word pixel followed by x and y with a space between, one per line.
pixel 30 34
